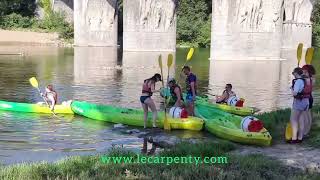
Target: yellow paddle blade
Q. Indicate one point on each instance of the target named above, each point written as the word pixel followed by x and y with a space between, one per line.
pixel 160 61
pixel 299 52
pixel 309 55
pixel 190 53
pixel 288 133
pixel 170 60
pixel 33 81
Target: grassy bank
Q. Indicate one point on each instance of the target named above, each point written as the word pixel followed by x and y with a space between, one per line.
pixel 91 167
pixel 276 122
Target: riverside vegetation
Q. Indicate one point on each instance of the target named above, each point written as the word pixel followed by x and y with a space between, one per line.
pixel 193 20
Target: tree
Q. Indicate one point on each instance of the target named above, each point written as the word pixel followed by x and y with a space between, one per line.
pixel 22 7
pixel 193 22
pixel 316 25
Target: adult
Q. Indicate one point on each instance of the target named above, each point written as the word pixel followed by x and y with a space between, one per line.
pixel 148 88
pixel 191 88
pixel 300 105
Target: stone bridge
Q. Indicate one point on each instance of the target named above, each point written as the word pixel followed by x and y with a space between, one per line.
pixel 241 29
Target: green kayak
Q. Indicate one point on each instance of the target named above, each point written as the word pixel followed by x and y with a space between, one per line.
pixel 133 117
pixel 228 126
pixel 34 108
pixel 241 111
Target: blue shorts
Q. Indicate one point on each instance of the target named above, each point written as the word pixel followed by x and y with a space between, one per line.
pixel 189 98
pixel 301 104
pixel 143 98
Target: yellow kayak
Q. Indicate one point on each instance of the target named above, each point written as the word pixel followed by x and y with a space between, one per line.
pixel 35 108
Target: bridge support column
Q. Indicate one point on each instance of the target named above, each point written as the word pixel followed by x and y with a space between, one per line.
pixel 95 22
pixel 149 25
pixel 246 29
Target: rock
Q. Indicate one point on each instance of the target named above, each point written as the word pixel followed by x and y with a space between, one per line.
pixel 119 126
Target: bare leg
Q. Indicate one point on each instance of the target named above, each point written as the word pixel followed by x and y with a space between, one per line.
pixel 145 110
pixel 301 121
pixel 294 119
pixel 308 122
pixel 153 108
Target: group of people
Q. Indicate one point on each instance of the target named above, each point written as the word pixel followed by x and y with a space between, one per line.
pixel 148 88
pixel 301 116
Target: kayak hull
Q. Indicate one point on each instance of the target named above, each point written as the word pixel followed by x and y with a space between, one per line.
pixel 241 111
pixel 34 108
pixel 132 117
pixel 228 126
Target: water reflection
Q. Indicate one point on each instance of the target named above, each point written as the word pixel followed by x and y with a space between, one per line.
pixel 263 84
pixel 138 66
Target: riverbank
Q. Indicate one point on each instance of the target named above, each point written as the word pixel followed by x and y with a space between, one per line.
pixel 280 161
pixel 32 38
pixel 92 167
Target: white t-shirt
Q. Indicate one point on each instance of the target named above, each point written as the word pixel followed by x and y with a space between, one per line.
pixel 298 86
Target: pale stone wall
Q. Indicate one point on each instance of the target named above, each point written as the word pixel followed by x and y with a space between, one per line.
pixel 149 25
pixel 95 22
pixel 297 27
pixel 246 29
pixel 65 7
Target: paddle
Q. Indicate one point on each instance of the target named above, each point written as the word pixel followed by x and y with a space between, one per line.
pixel 299 53
pixel 166 124
pixel 34 82
pixel 309 55
pixel 189 56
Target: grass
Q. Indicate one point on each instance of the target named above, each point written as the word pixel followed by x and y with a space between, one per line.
pixel 90 167
pixel 276 122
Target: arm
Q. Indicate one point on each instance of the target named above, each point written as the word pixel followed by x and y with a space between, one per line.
pixel 152 85
pixel 178 102
pixel 222 97
pixel 298 87
pixel 192 84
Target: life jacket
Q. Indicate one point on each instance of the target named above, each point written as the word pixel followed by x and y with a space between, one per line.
pixel 51 95
pixel 173 94
pixel 307 89
pixel 188 84
pixel 146 89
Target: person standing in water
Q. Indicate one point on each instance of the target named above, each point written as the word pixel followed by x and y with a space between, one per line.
pixel 148 88
pixel 191 88
pixel 51 96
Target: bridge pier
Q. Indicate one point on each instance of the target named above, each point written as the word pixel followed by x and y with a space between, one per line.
pixel 95 22
pixel 297 27
pixel 149 25
pixel 246 30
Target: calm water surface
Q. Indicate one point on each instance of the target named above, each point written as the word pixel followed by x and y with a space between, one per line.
pixel 103 75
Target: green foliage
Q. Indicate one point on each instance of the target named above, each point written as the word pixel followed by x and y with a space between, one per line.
pixel 193 23
pixel 55 22
pixel 22 7
pixel 316 24
pixel 13 21
pixel 46 5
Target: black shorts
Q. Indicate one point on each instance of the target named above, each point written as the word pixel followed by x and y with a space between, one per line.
pixel 310 102
pixel 143 98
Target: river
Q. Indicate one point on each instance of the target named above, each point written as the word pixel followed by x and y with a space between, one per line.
pixel 105 75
